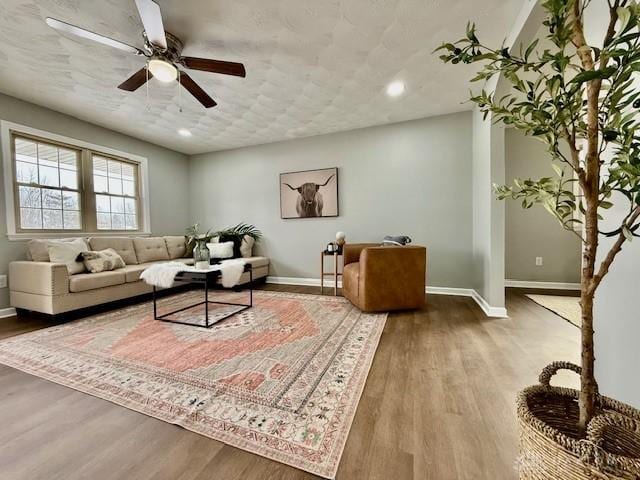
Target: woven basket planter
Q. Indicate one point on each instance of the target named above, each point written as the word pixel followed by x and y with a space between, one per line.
pixel 550 447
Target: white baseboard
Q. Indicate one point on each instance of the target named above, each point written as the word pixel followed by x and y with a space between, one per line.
pixel 309 282
pixel 542 285
pixel 460 292
pixel 7 312
pixel 489 310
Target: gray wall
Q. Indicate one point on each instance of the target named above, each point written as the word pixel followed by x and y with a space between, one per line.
pixel 168 172
pixel 617 302
pixel 534 232
pixel 489 169
pixel 488 212
pixel 411 178
pixel 616 317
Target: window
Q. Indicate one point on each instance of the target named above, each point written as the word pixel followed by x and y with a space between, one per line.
pixel 116 194
pixel 47 185
pixel 63 186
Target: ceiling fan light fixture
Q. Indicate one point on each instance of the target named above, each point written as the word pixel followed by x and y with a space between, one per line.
pixel 162 52
pixel 163 70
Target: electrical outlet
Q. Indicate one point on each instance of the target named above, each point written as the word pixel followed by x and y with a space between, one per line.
pixel 3 281
pixel 538 261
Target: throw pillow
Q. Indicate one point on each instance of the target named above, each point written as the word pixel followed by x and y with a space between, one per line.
pixel 38 249
pixel 246 246
pixel 221 250
pixel 102 261
pixel 236 243
pixel 67 252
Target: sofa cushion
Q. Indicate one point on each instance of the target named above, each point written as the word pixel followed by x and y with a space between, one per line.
pixel 150 249
pixel 91 281
pixel 122 245
pixel 132 272
pixel 38 249
pixel 176 246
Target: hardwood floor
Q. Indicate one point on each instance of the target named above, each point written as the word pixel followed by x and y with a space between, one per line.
pixel 438 404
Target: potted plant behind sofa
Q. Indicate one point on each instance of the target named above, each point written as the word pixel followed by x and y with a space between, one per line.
pixel 243 235
pixel 581 96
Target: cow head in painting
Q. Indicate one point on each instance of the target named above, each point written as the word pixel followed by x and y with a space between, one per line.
pixel 309 202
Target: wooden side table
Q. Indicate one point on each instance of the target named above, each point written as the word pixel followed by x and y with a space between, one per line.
pixel 335 273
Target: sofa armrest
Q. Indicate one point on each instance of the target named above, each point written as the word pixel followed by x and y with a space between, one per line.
pixel 351 251
pixel 40 278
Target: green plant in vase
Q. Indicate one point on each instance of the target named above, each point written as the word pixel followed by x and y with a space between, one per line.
pixel 196 243
pixel 241 234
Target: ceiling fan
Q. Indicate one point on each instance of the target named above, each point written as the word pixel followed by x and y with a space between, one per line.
pixel 163 52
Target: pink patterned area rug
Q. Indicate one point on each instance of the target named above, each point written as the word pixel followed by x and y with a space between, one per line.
pixel 282 379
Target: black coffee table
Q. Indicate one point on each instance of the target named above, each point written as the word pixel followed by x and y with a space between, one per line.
pixel 209 279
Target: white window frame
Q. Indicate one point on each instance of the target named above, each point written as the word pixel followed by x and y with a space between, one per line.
pixel 6 129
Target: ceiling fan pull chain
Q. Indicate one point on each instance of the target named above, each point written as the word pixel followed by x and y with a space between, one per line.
pixel 179 91
pixel 147 87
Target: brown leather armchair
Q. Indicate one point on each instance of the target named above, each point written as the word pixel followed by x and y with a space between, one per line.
pixel 377 278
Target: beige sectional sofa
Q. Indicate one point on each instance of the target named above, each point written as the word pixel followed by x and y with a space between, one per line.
pixel 38 285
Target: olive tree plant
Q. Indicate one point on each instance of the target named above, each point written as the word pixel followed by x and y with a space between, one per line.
pixel 565 92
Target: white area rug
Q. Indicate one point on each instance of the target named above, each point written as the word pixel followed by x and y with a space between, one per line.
pixel 565 307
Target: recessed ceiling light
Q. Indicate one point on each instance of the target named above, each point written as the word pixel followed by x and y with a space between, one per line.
pixel 183 132
pixel 395 89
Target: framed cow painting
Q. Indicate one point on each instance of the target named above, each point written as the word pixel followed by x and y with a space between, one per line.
pixel 311 193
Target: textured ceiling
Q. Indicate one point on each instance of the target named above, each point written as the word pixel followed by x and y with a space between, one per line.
pixel 313 66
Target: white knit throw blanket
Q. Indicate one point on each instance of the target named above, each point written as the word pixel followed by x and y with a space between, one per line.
pixel 163 274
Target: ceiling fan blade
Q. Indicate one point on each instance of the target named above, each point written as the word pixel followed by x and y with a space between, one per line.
pixel 81 32
pixel 152 21
pixel 194 89
pixel 136 80
pixel 214 66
